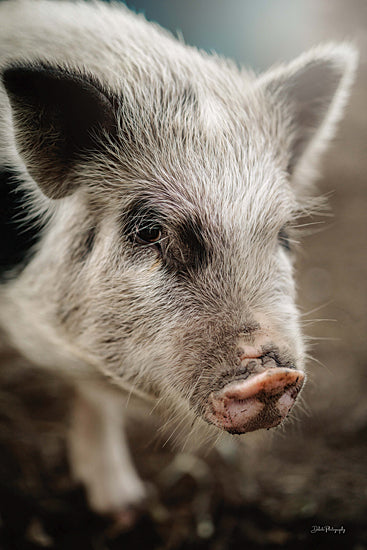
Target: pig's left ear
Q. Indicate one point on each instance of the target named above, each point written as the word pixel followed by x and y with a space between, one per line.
pixel 58 115
pixel 311 93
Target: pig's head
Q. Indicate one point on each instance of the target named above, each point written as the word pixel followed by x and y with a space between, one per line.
pixel 173 195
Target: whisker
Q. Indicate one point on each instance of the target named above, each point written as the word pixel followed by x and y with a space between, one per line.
pixel 311 311
pixel 317 361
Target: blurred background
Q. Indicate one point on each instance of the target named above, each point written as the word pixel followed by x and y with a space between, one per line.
pixel 265 490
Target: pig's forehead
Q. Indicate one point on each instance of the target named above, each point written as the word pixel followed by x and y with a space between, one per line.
pixel 258 198
pixel 196 104
pixel 227 199
pixel 199 153
pixel 209 142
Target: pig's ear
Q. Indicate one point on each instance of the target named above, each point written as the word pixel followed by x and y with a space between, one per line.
pixel 312 92
pixel 57 115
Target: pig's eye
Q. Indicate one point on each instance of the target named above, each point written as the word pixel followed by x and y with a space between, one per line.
pixel 283 239
pixel 148 235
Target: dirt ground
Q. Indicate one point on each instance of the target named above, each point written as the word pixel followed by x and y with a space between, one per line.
pixel 303 486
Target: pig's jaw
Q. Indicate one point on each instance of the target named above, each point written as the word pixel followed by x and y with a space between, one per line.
pixel 260 401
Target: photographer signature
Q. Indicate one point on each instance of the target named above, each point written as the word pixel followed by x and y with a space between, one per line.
pixel 328 529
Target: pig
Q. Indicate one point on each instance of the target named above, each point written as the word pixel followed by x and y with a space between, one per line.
pixel 154 191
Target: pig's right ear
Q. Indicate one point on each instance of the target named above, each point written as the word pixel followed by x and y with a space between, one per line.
pixel 58 116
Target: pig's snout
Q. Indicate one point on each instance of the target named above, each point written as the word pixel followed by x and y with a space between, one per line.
pixel 262 400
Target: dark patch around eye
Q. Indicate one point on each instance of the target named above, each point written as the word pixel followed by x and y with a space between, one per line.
pixel 140 218
pixel 193 250
pixel 283 238
pixel 182 245
pixel 18 232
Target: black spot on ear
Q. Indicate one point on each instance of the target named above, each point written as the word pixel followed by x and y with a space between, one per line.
pixel 58 115
pixel 18 231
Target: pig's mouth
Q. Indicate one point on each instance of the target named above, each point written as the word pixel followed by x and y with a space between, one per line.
pixel 260 401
